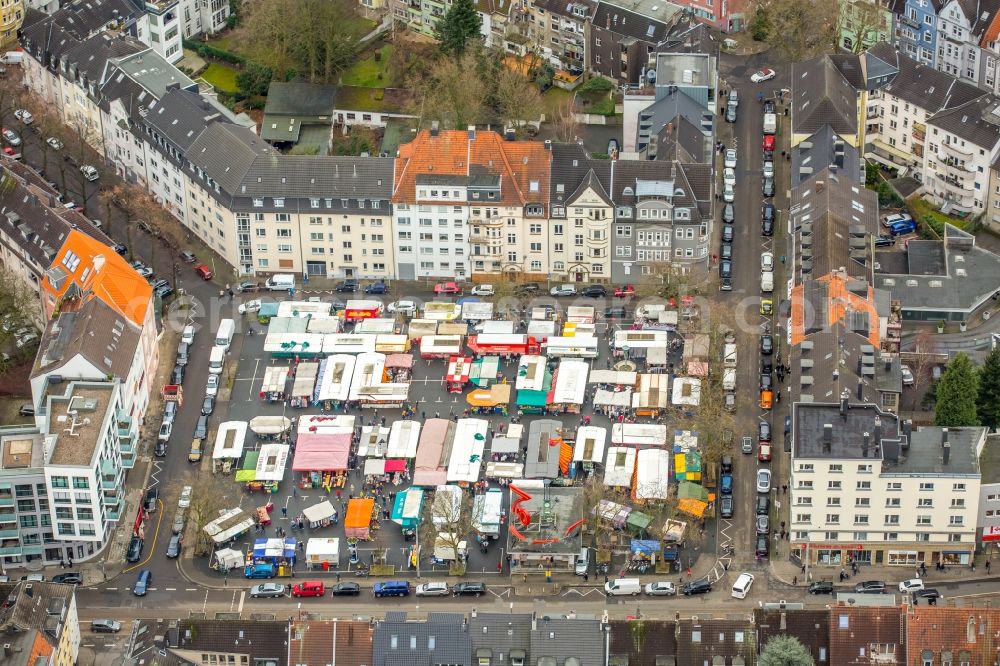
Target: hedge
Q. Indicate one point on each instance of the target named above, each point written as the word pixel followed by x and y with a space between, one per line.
pixel 206 51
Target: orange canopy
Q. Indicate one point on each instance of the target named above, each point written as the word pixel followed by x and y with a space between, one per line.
pixel 359 513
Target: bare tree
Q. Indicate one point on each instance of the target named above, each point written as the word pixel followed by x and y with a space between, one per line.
pixel 446 525
pixel 800 29
pixel 564 122
pixel 864 22
pixel 517 99
pixel 452 93
pixel 207 499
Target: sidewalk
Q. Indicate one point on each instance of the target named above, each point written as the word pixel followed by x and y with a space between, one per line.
pixel 784 570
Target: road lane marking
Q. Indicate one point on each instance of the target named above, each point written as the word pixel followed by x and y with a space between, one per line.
pixel 243 595
pixel 190 589
pixel 170 589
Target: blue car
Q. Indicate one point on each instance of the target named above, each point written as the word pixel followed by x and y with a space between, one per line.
pixel 392 588
pixel 260 570
pixel 726 484
pixel 142 583
pixel 377 288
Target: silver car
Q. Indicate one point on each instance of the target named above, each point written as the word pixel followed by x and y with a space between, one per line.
pixel 432 590
pixel 267 590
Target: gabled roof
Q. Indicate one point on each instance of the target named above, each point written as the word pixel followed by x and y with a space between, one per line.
pixel 560 639
pixel 87 268
pixel 645 643
pixel 500 633
pixel 821 150
pixel 442 639
pixel 977 121
pixel 341 642
pixel 923 86
pixel 702 641
pixel 690 36
pixel 648 23
pixel 90 57
pixel 566 7
pixel 810 627
pixel 955 635
pixel 295 98
pixel 979 14
pixel 76 20
pixel 571 165
pixel 226 152
pixel 93 331
pixel 853 630
pixel 26 219
pixel 180 116
pixel 312 176
pixel 822 95
pixel 260 639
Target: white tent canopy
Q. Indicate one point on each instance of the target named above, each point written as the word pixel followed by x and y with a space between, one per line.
pixel 319 512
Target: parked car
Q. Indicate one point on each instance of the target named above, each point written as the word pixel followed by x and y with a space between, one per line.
pixel 763 505
pixel 763 431
pixel 928 593
pixel 433 590
pixel 766 345
pixel 728 193
pixel 727 233
pixel 889 220
pixel 730 159
pixel 177 376
pixel 267 591
pixel 174 546
pixel 54 143
pixel 447 288
pixel 166 429
pixel 468 589
pixel 696 587
pixel 345 590
pixel 248 287
pixel 821 587
pixel 187 335
pixel 212 385
pixel 763 525
pixel 907 375
pixel 625 291
pixel 911 585
pixel 767 189
pixel 766 261
pixel 726 506
pixel 729 177
pixel 746 445
pixel 208 405
pixel 763 480
pixel 594 291
pixel 134 552
pixel 728 214
pixel 763 546
pixel 563 290
pixel 346 286
pixel 526 288
pixel 249 307
pixel 761 75
pixel 184 501
pixel 24 116
pixel 194 454
pixel 483 290
pixel 160 450
pixel 105 626
pixel 69 578
pixel 203 271
pixel 870 587
pixel 768 169
pixel 89 172
pixel 182 354
pixel 201 429
pixel 11 136
pixel 377 288
pixel 661 589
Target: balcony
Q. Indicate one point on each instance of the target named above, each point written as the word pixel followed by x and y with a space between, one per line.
pixel 6 500
pixel 958 186
pixel 956 168
pixel 10 534
pixel 109 485
pixel 956 150
pixel 919 131
pixel 911 22
pixel 111 501
pixel 14 550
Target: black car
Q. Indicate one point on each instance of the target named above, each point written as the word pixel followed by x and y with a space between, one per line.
pixel 71 578
pixel 149 501
pixel 727 234
pixel 347 286
pixel 345 590
pixel 726 274
pixel 821 587
pixel 728 214
pixel 174 547
pixel 208 405
pixel 201 429
pixel 766 383
pixel 134 553
pixel 594 291
pixel 615 313
pixel 928 593
pixel 468 589
pixel 160 450
pixel 526 288
pixel 763 505
pixel 177 376
pixel 885 241
pixel 763 547
pixel 767 215
pixel 766 365
pixel 696 587
pixel 766 345
pixel 870 587
pixel 377 288
pixel 727 252
pixel 726 507
pixel 120 248
pixel 763 431
pixel 768 187
pixel 726 465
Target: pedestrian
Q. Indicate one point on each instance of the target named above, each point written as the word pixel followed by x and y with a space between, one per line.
pixel 284 512
pixel 987 566
pixel 295 492
pixel 795 580
pixel 500 567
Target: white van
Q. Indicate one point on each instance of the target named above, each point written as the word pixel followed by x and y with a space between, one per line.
pixel 742 585
pixel 767 282
pixel 619 587
pixel 216 360
pixel 583 562
pixel 280 282
pixel 224 336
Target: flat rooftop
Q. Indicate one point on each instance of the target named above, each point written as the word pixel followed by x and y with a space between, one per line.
pixel 76 419
pixel 926 452
pixel 847 438
pixel 21 451
pixel 552 510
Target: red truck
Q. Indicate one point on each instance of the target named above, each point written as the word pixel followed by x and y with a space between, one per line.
pixel 489 344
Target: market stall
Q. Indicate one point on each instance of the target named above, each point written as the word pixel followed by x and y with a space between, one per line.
pixel 358 309
pixel 613 378
pixel 322 553
pixel 334 385
pixel 433 453
pixel 374 441
pixel 639 434
pixel 324 326
pixel 326 424
pixel 346 343
pixel 473 311
pixel 225 560
pixel 652 396
pixel 504 470
pixel 588 450
pixel 271 463
pixel 278 552
pixel 420 328
pixel 442 311
pixel 545 444
pixel 448 328
pixel 360 519
pixel 369 370
pixel 404 436
pixel 612 513
pixel 686 392
pixel 485 371
pixel 230 524
pixel 541 330
pixel 320 515
pixel 619 466
pixel 399 367
pixel 384 396
pixel 569 386
pixel 493 400
pixel 294 345
pixel 386 343
pixel 408 508
pixel 305 382
pixel 440 346
pixel 229 441
pixel 457 375
pixel 270 428
pixel 534 381
pixel 467 448
pixel 275 383
pixel 652 476
pixel 375 326
pixel 322 458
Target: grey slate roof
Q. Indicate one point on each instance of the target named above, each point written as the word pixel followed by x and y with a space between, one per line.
pixel 641 24
pixel 811 627
pixel 822 149
pixel 315 176
pixel 716 639
pixel 260 639
pixel 442 639
pixel 89 58
pixel 561 639
pixel 689 36
pixel 925 87
pixel 153 73
pixel 951 275
pixel 500 633
pixel 294 98
pixel 180 116
pixel 571 165
pixel 651 646
pixel 690 141
pixel 976 121
pixel 542 459
pixel 563 7
pixel 924 455
pixel 822 95
pixel 226 152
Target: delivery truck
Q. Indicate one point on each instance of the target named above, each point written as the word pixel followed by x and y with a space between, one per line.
pixel 729 355
pixel 729 379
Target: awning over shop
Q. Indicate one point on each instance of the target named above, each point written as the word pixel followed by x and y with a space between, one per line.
pixel 399 361
pixel 269 425
pixel 319 512
pixel 504 445
pixel 498 394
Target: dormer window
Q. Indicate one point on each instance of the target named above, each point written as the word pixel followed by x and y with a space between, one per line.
pixel 258 202
pixel 682 214
pixel 533 209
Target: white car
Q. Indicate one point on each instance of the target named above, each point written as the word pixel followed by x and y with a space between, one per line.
pixel 563 290
pixel 402 307
pixel 763 481
pixel 762 75
pixel 185 499
pixel 483 290
pixel 907 375
pixel 187 335
pixel 728 195
pixel 433 590
pixel 730 162
pixel 166 428
pixel 249 306
pixel 889 220
pixel 24 116
pixel 212 386
pixel 912 585
pixel 54 143
pixel 26 340
pixel 766 262
pixel 729 177
pixel 768 169
pixel 89 172
pixel 661 589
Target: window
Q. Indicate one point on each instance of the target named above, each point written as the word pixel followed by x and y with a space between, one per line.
pixel 833 501
pixel 892 519
pixel 864 485
pixel 956 521
pixel 927 487
pixel 864 469
pixel 833 519
pixel 925 502
pixel 833 485
pixel 923 520
pixel 895 485
pixel 836 469
pixel 957 503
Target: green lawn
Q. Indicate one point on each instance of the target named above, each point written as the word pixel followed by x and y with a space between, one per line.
pixel 924 211
pixel 367 72
pixel 598 103
pixel 222 77
pixel 553 98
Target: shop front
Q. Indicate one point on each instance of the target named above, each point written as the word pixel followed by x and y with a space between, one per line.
pixel 846 555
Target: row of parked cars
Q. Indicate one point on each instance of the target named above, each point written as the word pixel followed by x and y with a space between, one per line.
pixel 391 588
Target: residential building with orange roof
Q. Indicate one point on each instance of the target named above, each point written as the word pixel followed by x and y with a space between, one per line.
pixel 461 202
pixel 101 323
pixel 946 635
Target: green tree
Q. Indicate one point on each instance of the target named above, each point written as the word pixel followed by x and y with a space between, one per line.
pixel 785 650
pixel 254 80
pixel 459 28
pixel 759 27
pixel 956 394
pixel 988 399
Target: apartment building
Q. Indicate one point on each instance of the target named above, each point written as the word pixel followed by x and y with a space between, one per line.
pixel 419 15
pixel 916 30
pixel 825 92
pixel 26 534
pixel 559 29
pixel 160 27
pixel 42 625
pixel 960 27
pixel 866 488
pixel 864 23
pixel 623 34
pixel 203 17
pixel 11 18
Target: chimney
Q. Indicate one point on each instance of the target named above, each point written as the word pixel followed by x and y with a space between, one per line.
pixel 827 436
pixel 861 390
pixel 844 397
pixel 907 429
pixel 548 144
pixel 474 612
pixel 819 186
pixel 783 626
pixel 472 132
pixel 946 453
pixel 888 363
pixel 866 440
pixel 435 128
pixel 670 128
pixel 878 431
pixel 944 436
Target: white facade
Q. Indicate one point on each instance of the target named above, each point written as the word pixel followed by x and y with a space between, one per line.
pixel 432 240
pixel 957 171
pixel 581 243
pixel 898 128
pixel 203 16
pixel 958 51
pixel 160 28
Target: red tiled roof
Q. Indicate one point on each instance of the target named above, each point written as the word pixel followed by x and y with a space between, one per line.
pixel 939 629
pixel 854 632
